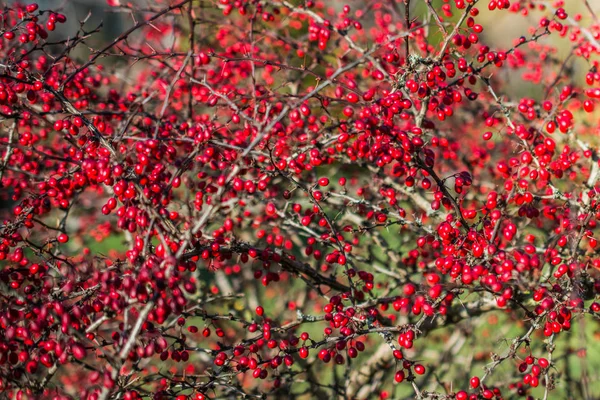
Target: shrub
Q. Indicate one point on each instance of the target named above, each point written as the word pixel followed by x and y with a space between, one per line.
pixel 300 199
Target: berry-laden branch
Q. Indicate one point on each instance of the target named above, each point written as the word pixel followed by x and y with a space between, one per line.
pixel 9 148
pixel 300 199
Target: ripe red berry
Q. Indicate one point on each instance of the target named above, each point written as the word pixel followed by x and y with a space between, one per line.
pixel 31 7
pixel 323 182
pixel 78 351
pixel 462 395
pixel 399 376
pixel 419 369
pixel 303 352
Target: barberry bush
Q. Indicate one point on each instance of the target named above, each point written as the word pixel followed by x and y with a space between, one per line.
pixel 301 199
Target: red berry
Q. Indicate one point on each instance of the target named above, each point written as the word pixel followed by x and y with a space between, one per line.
pixel 323 182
